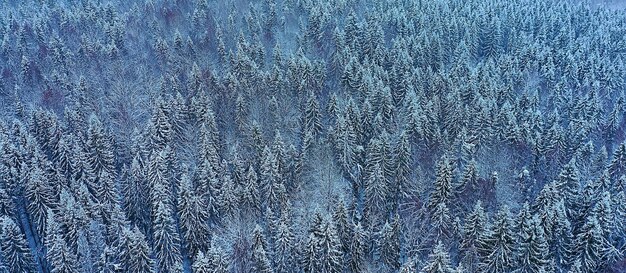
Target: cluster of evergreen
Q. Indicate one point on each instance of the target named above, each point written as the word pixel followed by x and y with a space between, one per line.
pixel 312 136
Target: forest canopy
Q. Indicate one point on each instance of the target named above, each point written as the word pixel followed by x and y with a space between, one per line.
pixel 313 136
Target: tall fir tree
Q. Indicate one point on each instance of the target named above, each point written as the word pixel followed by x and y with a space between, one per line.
pixel 59 256
pixel 166 239
pixel 438 261
pixel 16 254
pixel 497 247
pixel 193 217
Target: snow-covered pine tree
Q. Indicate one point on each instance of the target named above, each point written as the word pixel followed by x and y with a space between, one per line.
pixel 617 166
pixel 340 218
pixel 160 125
pixel 438 261
pixel 312 116
pixel 284 246
pixel 260 260
pixel 569 183
pixel 497 247
pixel 534 250
pixel 443 188
pixel 403 167
pixel 309 262
pixel 16 255
pixel 166 239
pixel 72 218
pixel 441 223
pixel 474 228
pixel 388 244
pixel 376 196
pixel 136 197
pixel 59 256
pixel 589 246
pixel 250 198
pixel 40 196
pixel 138 253
pixel 331 254
pixel 193 217
pixel 99 147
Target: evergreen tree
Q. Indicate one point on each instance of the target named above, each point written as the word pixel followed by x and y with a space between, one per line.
pixel 474 229
pixel 72 218
pixel 261 262
pixel 166 239
pixel 308 255
pixel 202 263
pixel 322 250
pixel 441 223
pixel 358 249
pixel 16 254
pixel 220 260
pixel 439 261
pixel 376 194
pixel 312 116
pixel 443 184
pixel 590 245
pixel 59 256
pixel 136 197
pixel 389 245
pixel 497 247
pixel 560 238
pixel 193 217
pixel 160 126
pixel 409 266
pixel 99 147
pixel 250 199
pixel 284 246
pixel 331 253
pixel 139 253
pixel 214 261
pixel 534 249
pixel 617 166
pixel 40 196
pixel 469 180
pixel 344 230
pixel 403 165
pixel 569 183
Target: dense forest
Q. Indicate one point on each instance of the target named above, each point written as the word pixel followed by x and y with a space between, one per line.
pixel 314 136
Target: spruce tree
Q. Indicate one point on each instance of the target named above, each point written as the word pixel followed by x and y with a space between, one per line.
pixel 569 183
pixel 438 261
pixel 534 249
pixel 590 245
pixel 474 228
pixel 312 116
pixel 358 249
pixel 389 245
pixel 59 256
pixel 139 253
pixel 99 147
pixel 331 254
pixel 617 166
pixel 376 194
pixel 40 196
pixel 166 239
pixel 16 254
pixel 260 260
pixel 403 166
pixel 308 254
pixel 193 217
pixel 442 191
pixel 284 246
pixel 497 247
pixel 215 261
